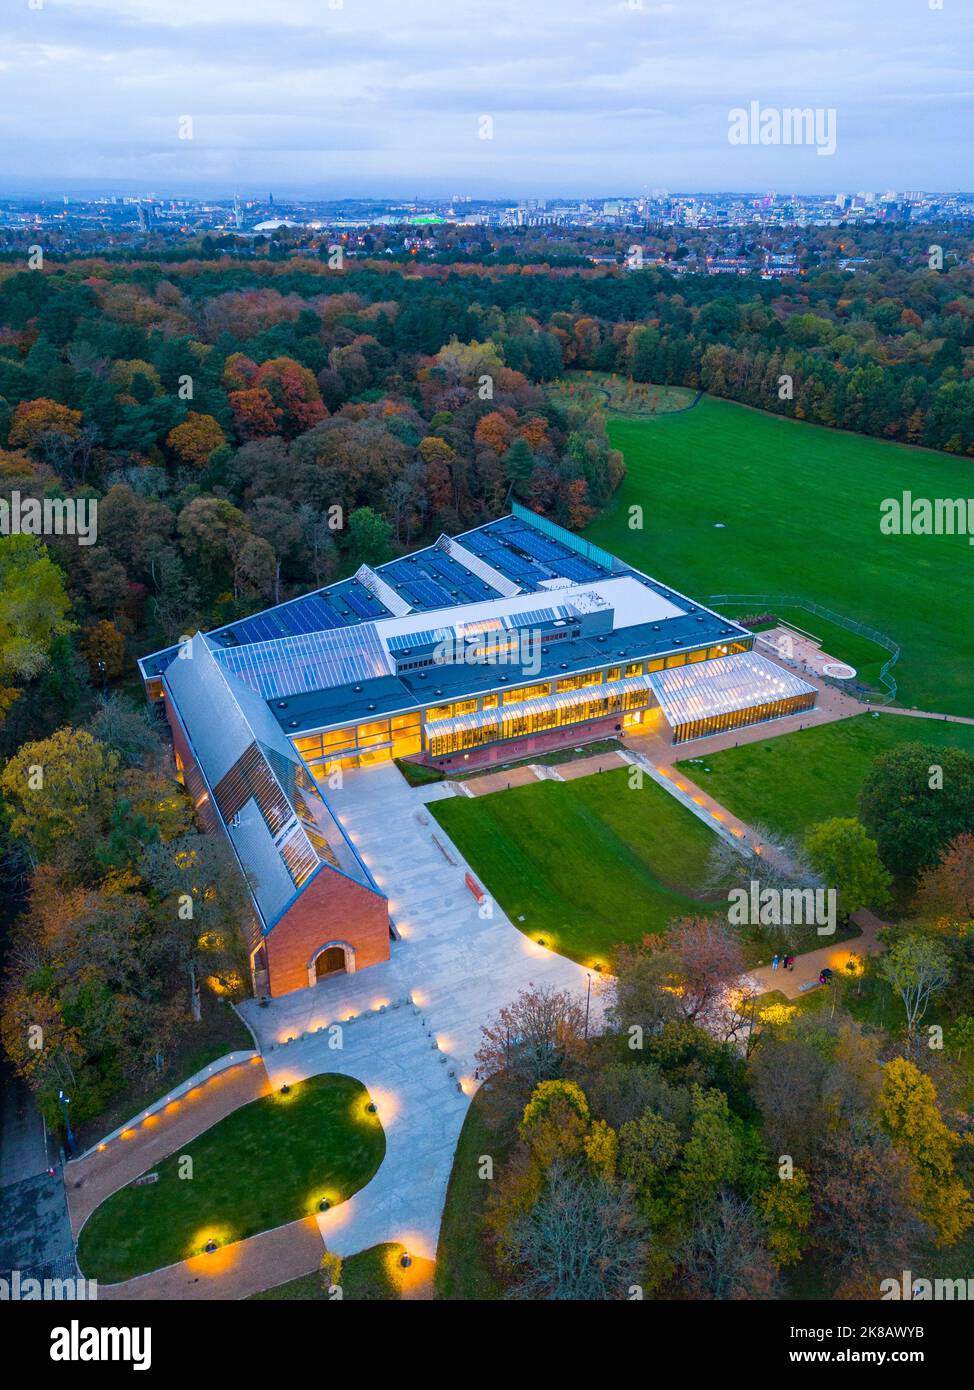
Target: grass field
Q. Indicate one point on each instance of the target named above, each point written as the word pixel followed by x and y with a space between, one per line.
pixel 618 395
pixel 587 864
pixel 800 507
pixel 266 1164
pixel 791 782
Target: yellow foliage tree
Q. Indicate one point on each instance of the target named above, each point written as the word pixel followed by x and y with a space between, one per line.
pixel 911 1117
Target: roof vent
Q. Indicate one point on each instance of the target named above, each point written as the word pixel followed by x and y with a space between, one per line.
pixel 293 723
pixel 370 706
pixel 282 704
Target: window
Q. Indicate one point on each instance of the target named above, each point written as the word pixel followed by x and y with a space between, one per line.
pixel 527 692
pixel 635 668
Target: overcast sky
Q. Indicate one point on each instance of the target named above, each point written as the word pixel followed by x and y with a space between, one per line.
pixel 385 97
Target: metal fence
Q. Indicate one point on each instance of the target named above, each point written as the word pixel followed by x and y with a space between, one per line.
pixel 771 602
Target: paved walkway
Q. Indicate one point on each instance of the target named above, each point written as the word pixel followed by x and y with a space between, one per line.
pixel 234 1271
pixel 90 1180
pixel 808 966
pixel 418 1016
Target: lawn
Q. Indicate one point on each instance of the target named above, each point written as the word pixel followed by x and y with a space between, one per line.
pixel 792 782
pixel 799 507
pixel 268 1163
pixel 463 1265
pixel 587 864
pixel 372 1275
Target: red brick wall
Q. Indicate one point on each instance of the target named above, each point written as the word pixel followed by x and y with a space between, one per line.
pixel 331 908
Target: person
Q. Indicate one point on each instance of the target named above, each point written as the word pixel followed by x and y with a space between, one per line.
pixel 791 962
pixel 774 963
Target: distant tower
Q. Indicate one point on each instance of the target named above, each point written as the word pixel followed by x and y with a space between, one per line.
pixel 237 214
pixel 270 200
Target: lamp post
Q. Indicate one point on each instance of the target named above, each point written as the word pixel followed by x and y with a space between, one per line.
pixel 69 1135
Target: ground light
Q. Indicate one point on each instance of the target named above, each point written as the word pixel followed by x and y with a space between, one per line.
pixel 324 1204
pixel 405 1260
pixel 210 1247
pixel 372 1108
pixel 285 1089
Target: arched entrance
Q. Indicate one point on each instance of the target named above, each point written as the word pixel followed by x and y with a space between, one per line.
pixel 334 958
pixel 330 961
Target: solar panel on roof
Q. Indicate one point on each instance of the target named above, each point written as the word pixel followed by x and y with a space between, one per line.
pixel 364 608
pixel 576 569
pixel 426 593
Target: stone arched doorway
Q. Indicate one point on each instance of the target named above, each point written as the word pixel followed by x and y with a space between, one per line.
pixel 334 958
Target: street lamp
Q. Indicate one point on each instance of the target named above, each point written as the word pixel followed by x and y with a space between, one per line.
pixel 68 1133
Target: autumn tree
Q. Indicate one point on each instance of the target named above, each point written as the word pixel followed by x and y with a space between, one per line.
pixel 54 785
pixel 33 420
pixel 946 889
pixel 196 439
pixel 104 651
pixel 912 1119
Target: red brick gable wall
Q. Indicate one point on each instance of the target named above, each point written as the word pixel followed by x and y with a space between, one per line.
pixel 332 909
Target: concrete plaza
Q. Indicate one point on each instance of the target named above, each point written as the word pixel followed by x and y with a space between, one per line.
pixel 418 1017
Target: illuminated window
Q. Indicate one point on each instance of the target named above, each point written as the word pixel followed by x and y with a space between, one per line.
pixel 635 668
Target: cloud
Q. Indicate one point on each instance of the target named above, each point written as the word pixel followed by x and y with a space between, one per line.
pixel 586 95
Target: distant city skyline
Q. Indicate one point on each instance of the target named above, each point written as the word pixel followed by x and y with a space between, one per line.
pixel 368 99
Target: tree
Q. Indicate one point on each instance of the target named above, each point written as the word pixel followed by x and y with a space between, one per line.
pixel 538 1037
pixel 786 1208
pixel 862 1221
pixel 584 1239
pixel 33 609
pixel 848 860
pixel 709 959
pixel 55 784
pixel 946 889
pixel 33 420
pixel 369 538
pixel 725 1256
pixel 196 439
pixel 912 1119
pixel 104 650
pixel 915 800
pixel 917 967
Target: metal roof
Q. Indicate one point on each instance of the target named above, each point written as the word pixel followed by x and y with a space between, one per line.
pixel 313 661
pixel 704 689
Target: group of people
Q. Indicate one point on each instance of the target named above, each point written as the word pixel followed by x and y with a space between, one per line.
pixel 786 962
